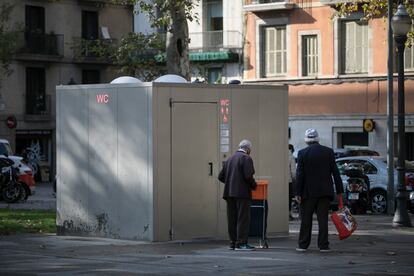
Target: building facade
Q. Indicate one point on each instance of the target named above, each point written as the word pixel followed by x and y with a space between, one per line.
pixel 53 50
pixel 216 40
pixel 336 70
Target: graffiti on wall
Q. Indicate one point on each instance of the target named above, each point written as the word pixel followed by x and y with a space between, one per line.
pixel 33 156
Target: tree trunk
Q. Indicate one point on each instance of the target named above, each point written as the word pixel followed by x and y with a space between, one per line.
pixel 177 44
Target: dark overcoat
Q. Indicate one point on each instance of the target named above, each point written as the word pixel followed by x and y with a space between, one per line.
pixel 237 174
pixel 317 172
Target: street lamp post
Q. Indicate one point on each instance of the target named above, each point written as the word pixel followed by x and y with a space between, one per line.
pixel 401 25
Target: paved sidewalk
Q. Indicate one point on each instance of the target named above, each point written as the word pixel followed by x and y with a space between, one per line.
pixel 375 249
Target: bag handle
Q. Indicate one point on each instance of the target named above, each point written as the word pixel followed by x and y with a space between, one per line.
pixel 340 202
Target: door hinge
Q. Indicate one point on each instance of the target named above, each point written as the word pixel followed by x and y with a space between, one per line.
pixel 171 102
pixel 171 234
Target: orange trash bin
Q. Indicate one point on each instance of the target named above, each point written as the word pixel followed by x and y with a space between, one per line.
pixel 261 190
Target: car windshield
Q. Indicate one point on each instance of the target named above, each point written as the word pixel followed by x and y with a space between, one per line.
pixel 5 149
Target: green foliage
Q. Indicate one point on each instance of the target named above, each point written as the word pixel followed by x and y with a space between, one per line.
pixel 159 11
pixel 134 53
pixel 8 39
pixel 374 9
pixel 27 221
pixel 160 14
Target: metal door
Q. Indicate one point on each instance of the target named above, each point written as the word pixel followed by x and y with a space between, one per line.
pixel 194 189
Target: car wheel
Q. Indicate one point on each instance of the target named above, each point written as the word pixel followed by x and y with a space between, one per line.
pixel 378 202
pixel 24 193
pixel 11 192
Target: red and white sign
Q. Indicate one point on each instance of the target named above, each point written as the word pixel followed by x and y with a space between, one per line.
pixel 11 121
pixel 102 98
pixel 224 110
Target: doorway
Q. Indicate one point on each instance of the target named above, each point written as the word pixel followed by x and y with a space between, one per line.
pixel 194 159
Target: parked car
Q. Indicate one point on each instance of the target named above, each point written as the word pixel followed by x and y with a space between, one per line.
pixel 375 168
pixel 25 175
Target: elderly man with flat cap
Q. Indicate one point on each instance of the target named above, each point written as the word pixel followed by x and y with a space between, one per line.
pixel 237 174
pixel 314 189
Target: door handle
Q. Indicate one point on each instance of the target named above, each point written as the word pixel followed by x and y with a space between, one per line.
pixel 210 164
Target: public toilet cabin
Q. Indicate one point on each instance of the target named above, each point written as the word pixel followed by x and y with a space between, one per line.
pixel 140 161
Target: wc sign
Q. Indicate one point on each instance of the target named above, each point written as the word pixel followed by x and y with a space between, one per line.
pixel 102 98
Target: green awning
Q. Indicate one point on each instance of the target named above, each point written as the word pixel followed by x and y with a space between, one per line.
pixel 214 56
pixel 206 57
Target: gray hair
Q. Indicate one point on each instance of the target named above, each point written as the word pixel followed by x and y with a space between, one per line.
pixel 245 144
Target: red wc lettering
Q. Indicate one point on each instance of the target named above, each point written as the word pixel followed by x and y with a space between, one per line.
pixel 102 98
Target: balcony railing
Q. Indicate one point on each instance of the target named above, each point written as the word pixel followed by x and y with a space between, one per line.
pixel 41 44
pixel 268 5
pixel 38 107
pixel 93 50
pixel 215 40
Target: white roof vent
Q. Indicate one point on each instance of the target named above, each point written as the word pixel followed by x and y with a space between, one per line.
pixel 126 79
pixel 171 78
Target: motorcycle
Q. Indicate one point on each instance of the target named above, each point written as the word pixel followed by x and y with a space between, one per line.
pixel 357 188
pixel 10 188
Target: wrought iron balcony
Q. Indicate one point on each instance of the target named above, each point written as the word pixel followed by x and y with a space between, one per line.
pixel 92 50
pixel 41 44
pixel 268 5
pixel 215 40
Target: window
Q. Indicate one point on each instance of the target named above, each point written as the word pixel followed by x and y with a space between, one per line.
pixel 214 10
pixel 310 55
pixel 89 25
pixel 409 57
pixel 366 165
pixel 346 139
pixel 35 29
pixel 275 51
pixel 354 47
pixel 213 37
pixel 214 75
pixel 35 91
pixel 91 77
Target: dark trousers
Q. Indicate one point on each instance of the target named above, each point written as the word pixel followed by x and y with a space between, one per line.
pixel 238 219
pixel 307 208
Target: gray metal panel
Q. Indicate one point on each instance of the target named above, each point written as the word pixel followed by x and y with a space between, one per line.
pixel 194 186
pixel 72 159
pixel 135 188
pixel 103 192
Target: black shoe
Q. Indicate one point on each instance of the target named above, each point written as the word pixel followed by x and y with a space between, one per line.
pixel 232 246
pixel 300 249
pixel 325 250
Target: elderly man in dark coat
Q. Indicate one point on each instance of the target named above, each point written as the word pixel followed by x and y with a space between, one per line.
pixel 237 174
pixel 314 189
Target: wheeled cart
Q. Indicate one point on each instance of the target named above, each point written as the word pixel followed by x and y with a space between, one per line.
pixel 259 211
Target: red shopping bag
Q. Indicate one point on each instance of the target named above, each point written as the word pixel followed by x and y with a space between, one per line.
pixel 344 222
